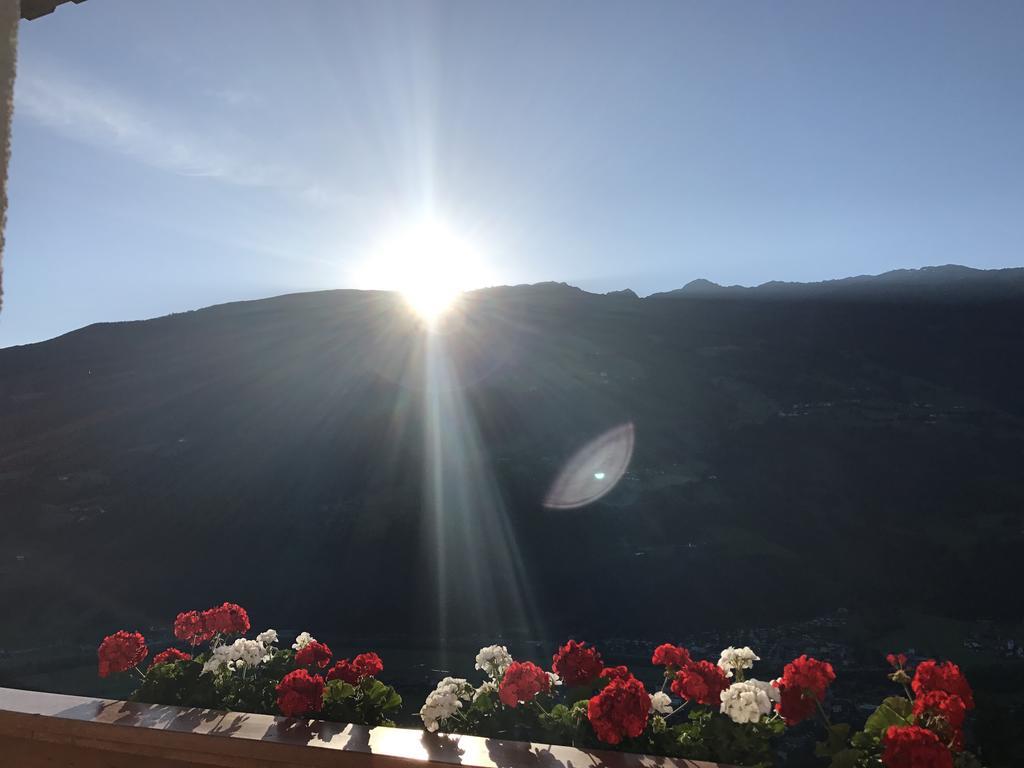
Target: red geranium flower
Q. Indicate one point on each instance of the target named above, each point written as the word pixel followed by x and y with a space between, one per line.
pixel 300 693
pixel 944 713
pixel 237 618
pixel 213 623
pixel 121 651
pixel 362 666
pixel 897 660
pixel 619 710
pixel 909 746
pixel 313 653
pixel 522 681
pixel 577 664
pixel 367 665
pixel 188 626
pixel 802 687
pixel 793 705
pixel 932 676
pixel 226 619
pixel 702 682
pixel 670 656
pixel 171 654
pixel 343 670
pixel 613 673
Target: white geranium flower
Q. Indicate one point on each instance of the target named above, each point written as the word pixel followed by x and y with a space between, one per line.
pixel 736 658
pixel 554 679
pixel 770 690
pixel 444 701
pixel 267 638
pixel 437 708
pixel 302 641
pixel 250 652
pixel 745 702
pixel 493 660
pixel 241 653
pixel 661 703
pixel 488 687
pixel 458 686
pixel 219 657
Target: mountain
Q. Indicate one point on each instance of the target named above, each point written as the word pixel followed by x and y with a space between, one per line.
pixel 829 447
pixel 951 282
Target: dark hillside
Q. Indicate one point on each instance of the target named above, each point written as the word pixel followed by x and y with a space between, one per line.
pixel 793 453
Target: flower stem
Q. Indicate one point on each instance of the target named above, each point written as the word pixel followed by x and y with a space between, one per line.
pixel 677 709
pixel 821 710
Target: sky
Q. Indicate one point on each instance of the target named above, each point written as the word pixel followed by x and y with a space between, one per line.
pixel 173 154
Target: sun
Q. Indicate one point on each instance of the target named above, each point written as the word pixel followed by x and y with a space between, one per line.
pixel 428 263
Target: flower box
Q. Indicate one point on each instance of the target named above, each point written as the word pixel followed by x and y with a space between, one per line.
pixel 703 710
pixel 53 730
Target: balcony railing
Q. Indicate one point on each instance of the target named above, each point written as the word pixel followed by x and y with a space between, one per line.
pixel 53 730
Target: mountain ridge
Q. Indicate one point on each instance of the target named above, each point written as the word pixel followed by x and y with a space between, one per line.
pixel 971 282
pixel 949 282
pixel 839 444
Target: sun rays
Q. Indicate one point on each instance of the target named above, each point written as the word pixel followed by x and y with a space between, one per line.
pixel 429 263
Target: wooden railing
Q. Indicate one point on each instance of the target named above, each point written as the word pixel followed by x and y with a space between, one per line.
pixel 52 730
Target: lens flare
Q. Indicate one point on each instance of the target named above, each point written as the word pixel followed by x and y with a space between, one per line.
pixel 594 470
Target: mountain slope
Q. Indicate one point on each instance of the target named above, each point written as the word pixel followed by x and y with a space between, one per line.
pixel 791 454
pixel 951 282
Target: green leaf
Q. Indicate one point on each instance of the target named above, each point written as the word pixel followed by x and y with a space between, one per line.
pixel 484 702
pixel 337 691
pixel 966 759
pixel 894 710
pixel 392 701
pixel 847 758
pixel 373 690
pixel 865 741
pixel 835 740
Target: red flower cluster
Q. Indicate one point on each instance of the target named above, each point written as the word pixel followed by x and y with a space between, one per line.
pixel 300 693
pixel 670 656
pixel 577 664
pixel 188 626
pixel 944 713
pixel 897 660
pixel 194 627
pixel 362 666
pixel 168 656
pixel 121 651
pixel 368 664
pixel 522 681
pixel 932 676
pixel 913 747
pixel 701 682
pixel 620 709
pixel 227 619
pixel 802 687
pixel 613 673
pixel 313 653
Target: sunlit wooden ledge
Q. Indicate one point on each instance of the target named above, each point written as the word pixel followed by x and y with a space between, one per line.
pixel 52 730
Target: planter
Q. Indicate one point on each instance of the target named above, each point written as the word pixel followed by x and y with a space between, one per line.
pixel 53 730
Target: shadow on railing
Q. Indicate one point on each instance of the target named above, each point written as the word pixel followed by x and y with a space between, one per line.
pixel 45 729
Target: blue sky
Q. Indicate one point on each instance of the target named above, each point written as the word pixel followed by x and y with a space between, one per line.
pixel 169 155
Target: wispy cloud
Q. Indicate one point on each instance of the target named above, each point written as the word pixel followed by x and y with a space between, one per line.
pixel 101 116
pixel 235 97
